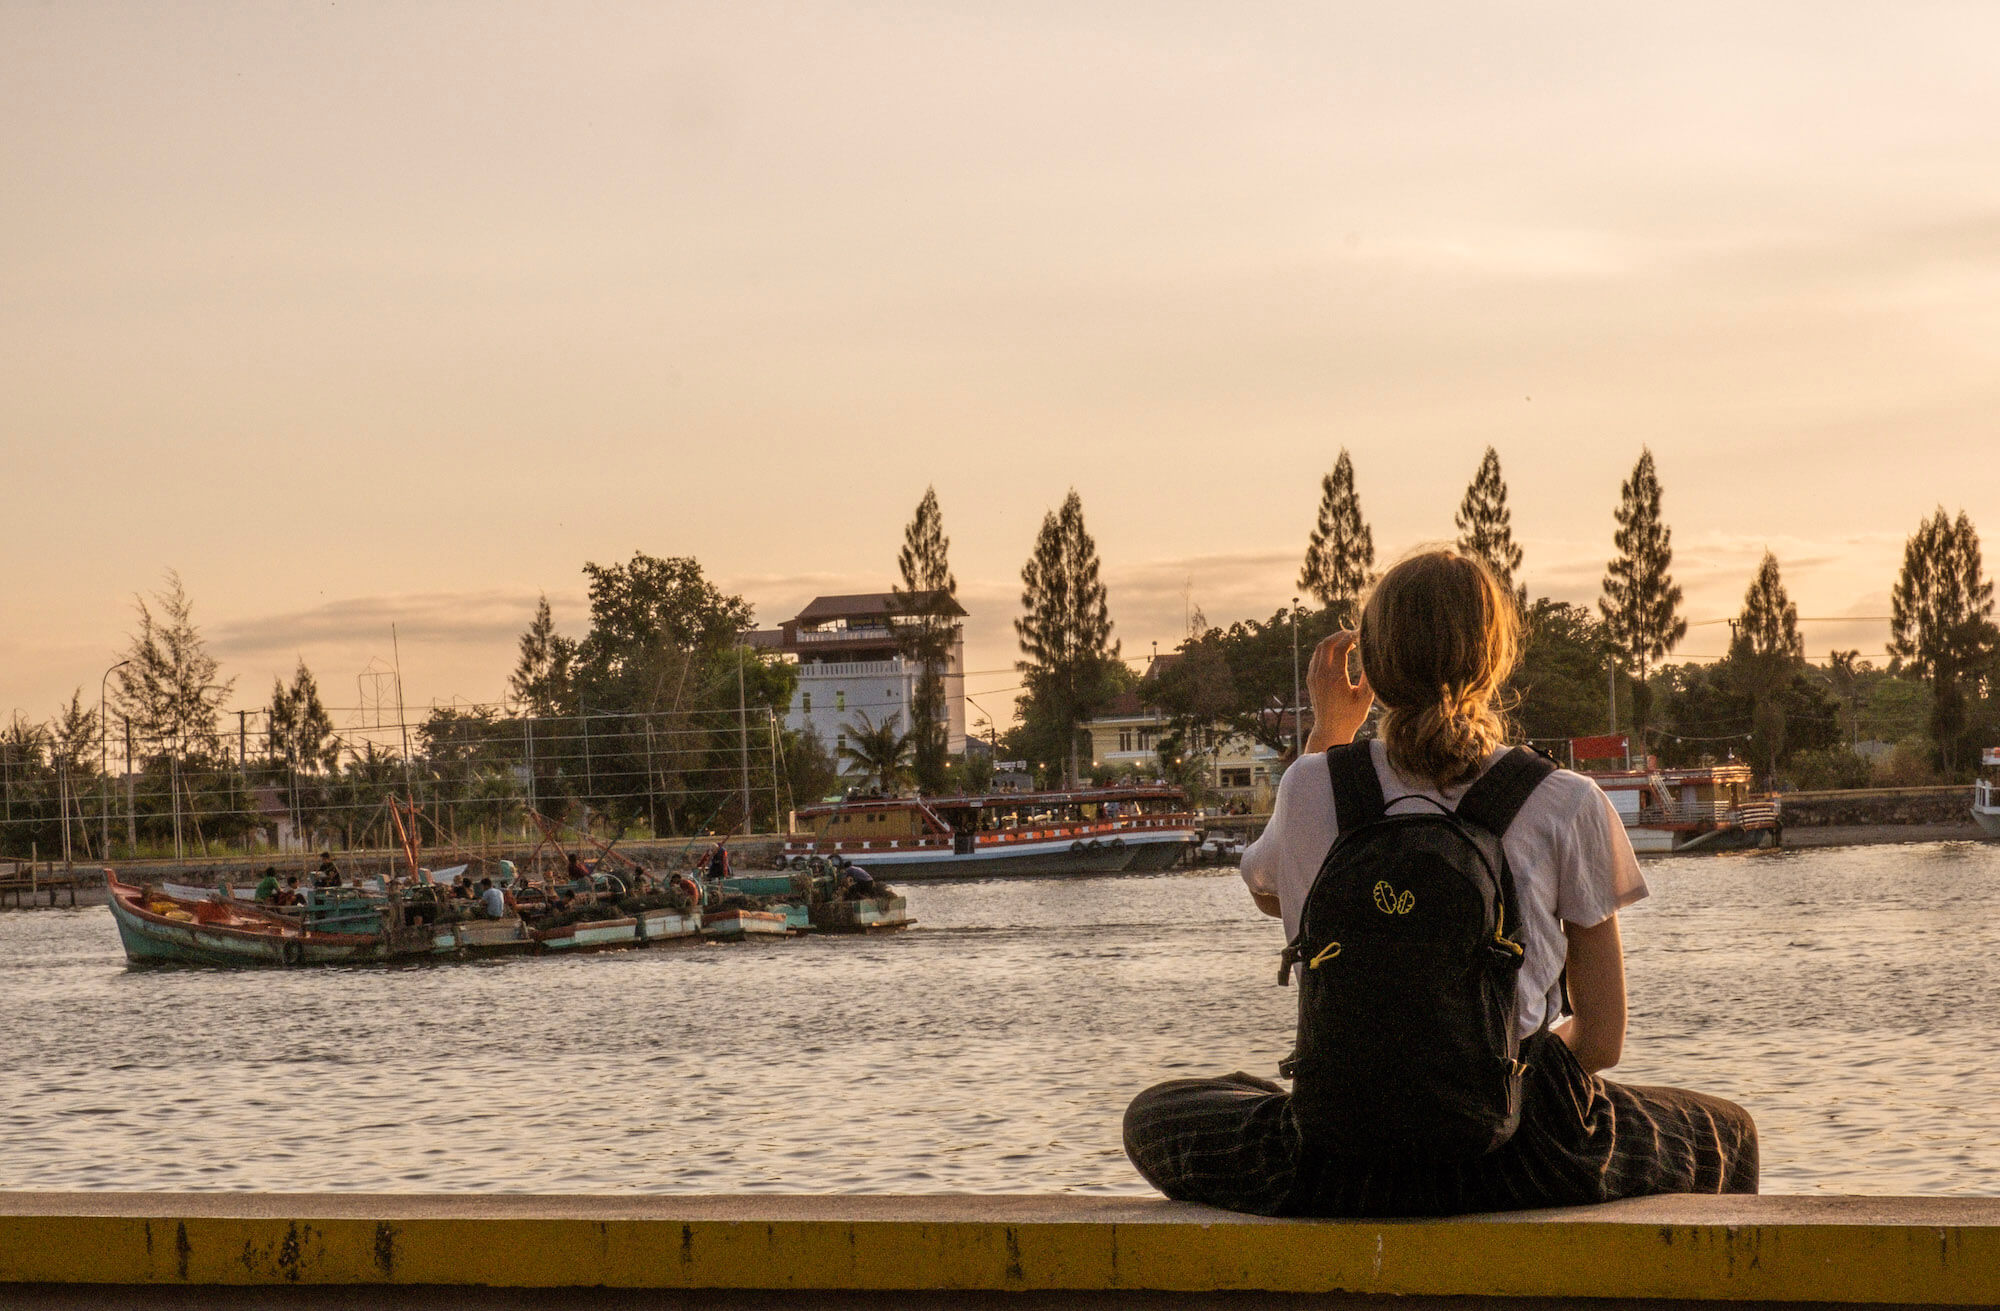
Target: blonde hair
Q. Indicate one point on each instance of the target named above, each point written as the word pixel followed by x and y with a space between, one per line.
pixel 1439 637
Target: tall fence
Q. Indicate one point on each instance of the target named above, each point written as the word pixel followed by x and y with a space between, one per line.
pixel 476 773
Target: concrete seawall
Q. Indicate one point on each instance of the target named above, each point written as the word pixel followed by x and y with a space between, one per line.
pixel 1877 806
pixel 153 1249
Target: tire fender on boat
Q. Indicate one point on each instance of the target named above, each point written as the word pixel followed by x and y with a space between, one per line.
pixel 292 952
pixel 1077 848
pixel 1118 844
pixel 1096 845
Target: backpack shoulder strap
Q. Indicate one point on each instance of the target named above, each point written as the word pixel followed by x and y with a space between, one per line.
pixel 1357 789
pixel 1498 795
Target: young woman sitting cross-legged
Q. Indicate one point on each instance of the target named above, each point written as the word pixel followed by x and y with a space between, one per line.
pixel 1442 897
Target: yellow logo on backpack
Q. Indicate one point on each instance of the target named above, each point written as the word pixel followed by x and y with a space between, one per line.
pixel 1391 902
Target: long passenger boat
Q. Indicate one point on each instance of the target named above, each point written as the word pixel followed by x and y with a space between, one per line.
pixel 1089 831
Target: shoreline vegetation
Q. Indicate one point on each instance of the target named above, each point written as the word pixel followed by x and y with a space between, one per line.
pixel 667 717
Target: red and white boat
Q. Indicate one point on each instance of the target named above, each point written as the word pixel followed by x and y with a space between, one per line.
pixel 1089 831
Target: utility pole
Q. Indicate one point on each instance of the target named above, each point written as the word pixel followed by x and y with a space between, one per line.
pixel 528 734
pixel 1298 742
pixel 104 764
pixel 743 731
pixel 772 717
pixel 131 800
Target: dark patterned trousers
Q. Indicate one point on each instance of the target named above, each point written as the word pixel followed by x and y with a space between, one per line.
pixel 1232 1142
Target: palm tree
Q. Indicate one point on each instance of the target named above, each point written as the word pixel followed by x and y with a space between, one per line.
pixel 881 751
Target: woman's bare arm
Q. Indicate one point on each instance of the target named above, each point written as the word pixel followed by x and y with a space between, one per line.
pixel 1596 1032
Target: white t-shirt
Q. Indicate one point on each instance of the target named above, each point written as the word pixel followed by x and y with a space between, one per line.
pixel 493 902
pixel 1567 849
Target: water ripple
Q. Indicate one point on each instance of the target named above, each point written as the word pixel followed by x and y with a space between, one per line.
pixel 1847 997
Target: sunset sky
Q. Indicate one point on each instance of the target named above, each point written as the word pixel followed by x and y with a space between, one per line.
pixel 364 314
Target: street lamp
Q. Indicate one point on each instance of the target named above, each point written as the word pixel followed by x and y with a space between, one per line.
pixel 104 767
pixel 1298 744
pixel 992 730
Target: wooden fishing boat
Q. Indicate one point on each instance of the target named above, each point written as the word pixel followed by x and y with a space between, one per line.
pixel 660 925
pixel 159 929
pixel 865 915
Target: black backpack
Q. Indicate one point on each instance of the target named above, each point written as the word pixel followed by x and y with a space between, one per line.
pixel 1408 951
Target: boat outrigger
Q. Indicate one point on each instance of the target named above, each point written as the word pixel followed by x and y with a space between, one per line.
pixel 1090 831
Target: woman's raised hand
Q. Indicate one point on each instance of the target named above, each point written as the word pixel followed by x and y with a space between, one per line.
pixel 1340 703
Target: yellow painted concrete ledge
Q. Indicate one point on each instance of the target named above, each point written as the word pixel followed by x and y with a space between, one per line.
pixel 1905 1251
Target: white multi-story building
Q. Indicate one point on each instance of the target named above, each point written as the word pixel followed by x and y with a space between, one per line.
pixel 849 665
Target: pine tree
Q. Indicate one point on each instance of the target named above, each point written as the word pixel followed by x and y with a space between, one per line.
pixel 1341 553
pixel 1769 624
pixel 542 677
pixel 1485 524
pixel 1764 657
pixel 300 725
pixel 1640 603
pixel 1072 668
pixel 168 690
pixel 1941 627
pixel 927 626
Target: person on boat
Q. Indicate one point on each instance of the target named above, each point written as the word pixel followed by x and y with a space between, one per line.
pixel 718 863
pixel 579 873
pixel 289 895
pixel 1438 638
pixel 493 902
pixel 855 882
pixel 328 875
pixel 267 887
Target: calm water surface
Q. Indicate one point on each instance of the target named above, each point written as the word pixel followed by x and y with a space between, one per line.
pixel 1847 997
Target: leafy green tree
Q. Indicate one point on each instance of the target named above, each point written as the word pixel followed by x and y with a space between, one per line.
pixel 1765 655
pixel 1941 627
pixel 646 618
pixel 1486 525
pixel 541 681
pixel 1236 682
pixel 926 623
pixel 1340 554
pixel 1640 603
pixel 811 773
pixel 1071 666
pixel 1710 714
pixel 1558 689
pixel 1889 707
pixel 656 726
pixel 880 751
